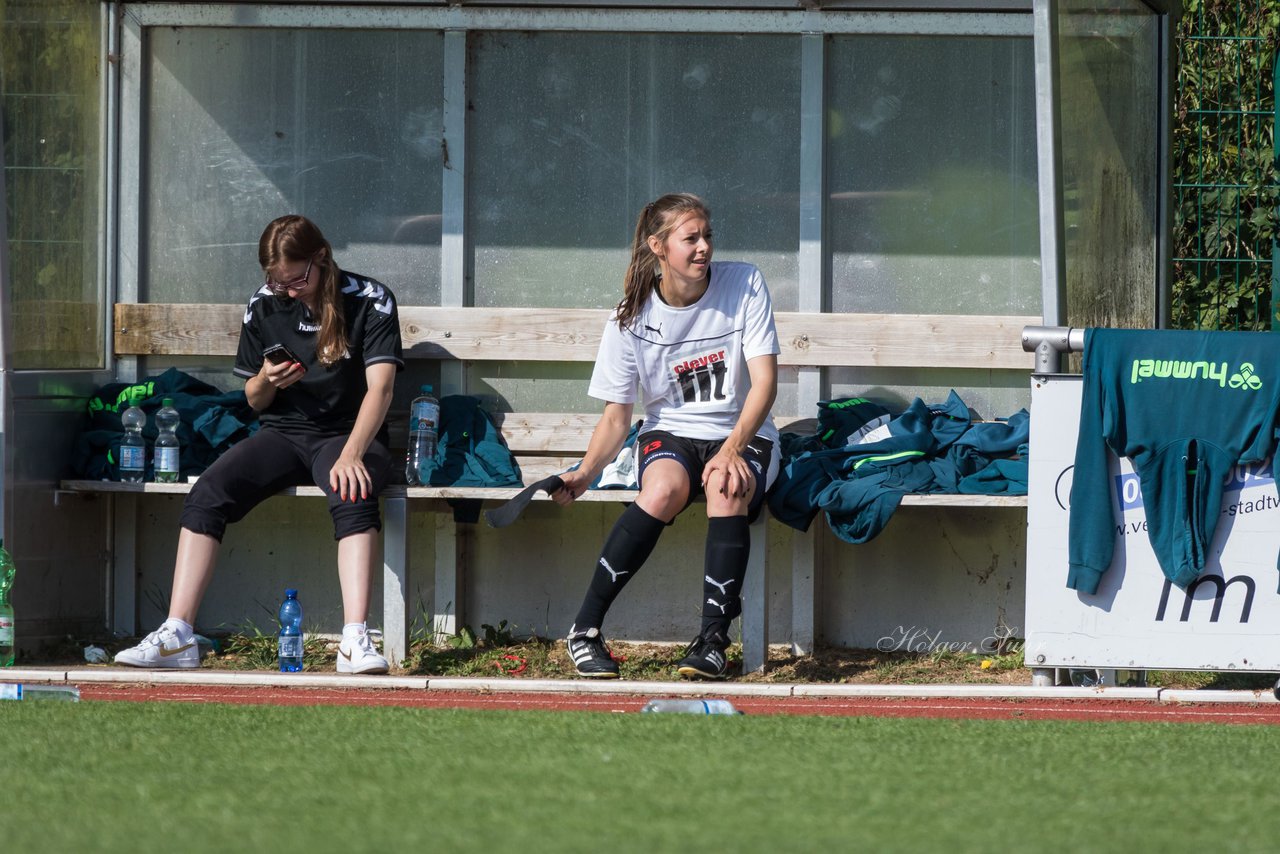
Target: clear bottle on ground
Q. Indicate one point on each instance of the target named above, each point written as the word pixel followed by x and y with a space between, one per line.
pixel 1085 678
pixel 8 641
pixel 290 636
pixel 166 449
pixel 424 425
pixel 17 691
pixel 133 448
pixel 691 707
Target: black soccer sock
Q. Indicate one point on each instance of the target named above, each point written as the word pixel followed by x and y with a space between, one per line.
pixel 627 548
pixel 728 548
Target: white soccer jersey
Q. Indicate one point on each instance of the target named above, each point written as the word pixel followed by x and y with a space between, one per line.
pixel 690 363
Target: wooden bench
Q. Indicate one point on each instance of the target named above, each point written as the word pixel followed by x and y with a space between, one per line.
pixel 550 442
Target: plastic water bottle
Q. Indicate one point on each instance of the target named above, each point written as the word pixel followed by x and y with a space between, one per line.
pixel 16 691
pixel 1085 678
pixel 7 640
pixel 290 632
pixel 424 424
pixel 166 453
pixel 133 448
pixel 692 707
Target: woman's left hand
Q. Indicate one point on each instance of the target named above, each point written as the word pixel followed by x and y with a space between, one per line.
pixel 727 473
pixel 350 479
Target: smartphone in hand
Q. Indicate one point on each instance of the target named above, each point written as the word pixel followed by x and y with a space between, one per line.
pixel 278 354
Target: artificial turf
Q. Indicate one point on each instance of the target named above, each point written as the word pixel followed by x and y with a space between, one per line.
pixel 192 778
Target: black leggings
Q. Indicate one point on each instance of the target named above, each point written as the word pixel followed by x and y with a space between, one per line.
pixel 258 467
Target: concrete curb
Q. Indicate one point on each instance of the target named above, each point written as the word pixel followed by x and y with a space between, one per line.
pixel 632 688
pixel 1000 692
pixel 612 686
pixel 196 676
pixel 1182 695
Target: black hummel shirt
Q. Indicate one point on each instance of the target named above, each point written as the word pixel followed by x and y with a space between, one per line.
pixel 326 399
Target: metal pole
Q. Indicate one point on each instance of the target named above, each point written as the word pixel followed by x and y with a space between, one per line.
pixel 1053 263
pixel 119 590
pixel 6 338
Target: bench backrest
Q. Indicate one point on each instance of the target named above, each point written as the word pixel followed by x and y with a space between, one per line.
pixel 550 441
pixel 572 335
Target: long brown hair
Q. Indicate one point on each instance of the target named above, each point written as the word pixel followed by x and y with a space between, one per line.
pixel 643 273
pixel 296 238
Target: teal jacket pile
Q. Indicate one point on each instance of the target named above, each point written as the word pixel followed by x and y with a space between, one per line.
pixel 470 451
pixel 929 449
pixel 1185 407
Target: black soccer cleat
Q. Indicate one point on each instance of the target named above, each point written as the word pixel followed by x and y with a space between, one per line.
pixel 706 657
pixel 590 655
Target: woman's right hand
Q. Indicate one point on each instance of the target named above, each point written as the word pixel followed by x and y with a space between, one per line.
pixel 282 375
pixel 575 483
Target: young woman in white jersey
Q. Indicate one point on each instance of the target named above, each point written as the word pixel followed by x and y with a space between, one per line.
pixel 322 405
pixel 694 342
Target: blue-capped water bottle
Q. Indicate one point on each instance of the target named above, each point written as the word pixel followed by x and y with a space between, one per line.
pixel 290 632
pixel 133 448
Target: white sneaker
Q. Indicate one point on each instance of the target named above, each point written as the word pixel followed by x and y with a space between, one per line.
pixel 162 648
pixel 357 655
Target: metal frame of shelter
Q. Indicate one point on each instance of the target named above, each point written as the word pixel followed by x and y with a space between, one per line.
pixel 122 150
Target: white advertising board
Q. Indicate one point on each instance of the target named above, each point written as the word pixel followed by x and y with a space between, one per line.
pixel 1226 620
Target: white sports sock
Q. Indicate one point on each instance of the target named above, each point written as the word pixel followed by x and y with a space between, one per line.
pixel 182 628
pixel 351 630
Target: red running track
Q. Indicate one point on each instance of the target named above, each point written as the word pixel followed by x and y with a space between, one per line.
pixel 1100 709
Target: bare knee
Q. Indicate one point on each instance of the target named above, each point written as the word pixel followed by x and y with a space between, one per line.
pixel 720 504
pixel 664 490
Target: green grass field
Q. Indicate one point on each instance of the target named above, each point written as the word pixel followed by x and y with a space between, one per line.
pixel 193 778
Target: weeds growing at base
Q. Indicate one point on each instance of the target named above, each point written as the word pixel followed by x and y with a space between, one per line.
pixel 505 650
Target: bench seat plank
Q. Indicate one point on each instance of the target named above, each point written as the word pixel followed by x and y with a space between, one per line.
pixel 504 493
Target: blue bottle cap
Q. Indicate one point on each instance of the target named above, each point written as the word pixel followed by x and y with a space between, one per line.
pixel 290 593
pixel 427 388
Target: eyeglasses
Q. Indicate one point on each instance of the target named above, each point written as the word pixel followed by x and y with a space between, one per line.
pixel 282 288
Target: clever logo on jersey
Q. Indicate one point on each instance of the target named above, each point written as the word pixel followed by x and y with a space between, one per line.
pixel 701 378
pixel 1244 378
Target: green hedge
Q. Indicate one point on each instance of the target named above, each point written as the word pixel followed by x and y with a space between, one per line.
pixel 1226 183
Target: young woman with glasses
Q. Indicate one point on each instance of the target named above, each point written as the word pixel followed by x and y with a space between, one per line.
pixel 319 351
